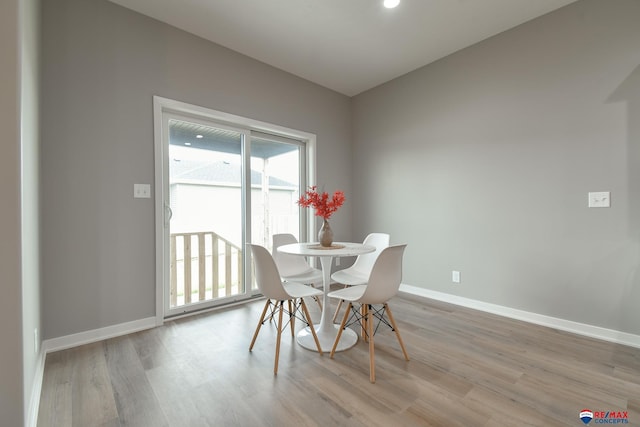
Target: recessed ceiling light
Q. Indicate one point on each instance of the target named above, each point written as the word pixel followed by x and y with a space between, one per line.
pixel 390 4
pixel 199 136
pixel 187 144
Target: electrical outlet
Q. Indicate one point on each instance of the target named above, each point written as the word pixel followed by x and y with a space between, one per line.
pixel 455 276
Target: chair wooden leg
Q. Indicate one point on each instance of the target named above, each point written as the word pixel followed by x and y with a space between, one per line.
pixel 319 302
pixel 344 322
pixel 255 335
pixel 395 328
pixel 364 309
pixel 292 317
pixel 372 363
pixel 275 367
pixel 313 330
pixel 335 315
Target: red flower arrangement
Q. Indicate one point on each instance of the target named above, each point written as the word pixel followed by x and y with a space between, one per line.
pixel 324 206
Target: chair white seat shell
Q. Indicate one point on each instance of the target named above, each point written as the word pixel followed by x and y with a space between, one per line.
pixel 382 285
pixel 358 273
pixel 270 284
pixel 291 267
pixel 294 268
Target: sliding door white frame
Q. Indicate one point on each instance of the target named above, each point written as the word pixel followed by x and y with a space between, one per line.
pixel 163 106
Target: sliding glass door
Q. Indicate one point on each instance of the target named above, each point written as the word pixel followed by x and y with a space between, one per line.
pixel 205 228
pixel 222 186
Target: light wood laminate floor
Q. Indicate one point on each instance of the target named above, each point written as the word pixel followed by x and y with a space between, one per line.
pixel 467 368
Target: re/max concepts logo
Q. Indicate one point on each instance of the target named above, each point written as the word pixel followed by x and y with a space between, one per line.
pixel 604 417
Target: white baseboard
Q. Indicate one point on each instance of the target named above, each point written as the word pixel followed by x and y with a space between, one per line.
pixel 36 388
pixel 610 335
pixel 96 335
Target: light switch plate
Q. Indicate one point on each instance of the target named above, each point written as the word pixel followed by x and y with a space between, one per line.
pixel 600 199
pixel 142 191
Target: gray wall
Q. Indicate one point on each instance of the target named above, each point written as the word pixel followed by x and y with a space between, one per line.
pixel 19 230
pixel 101 66
pixel 482 162
pixel 11 379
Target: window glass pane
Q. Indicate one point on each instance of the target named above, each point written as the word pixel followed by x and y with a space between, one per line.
pixel 275 181
pixel 205 177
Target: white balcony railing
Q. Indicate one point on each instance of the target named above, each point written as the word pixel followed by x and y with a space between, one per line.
pixel 204 266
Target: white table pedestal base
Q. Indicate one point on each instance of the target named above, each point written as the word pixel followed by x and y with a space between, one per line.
pixel 327 338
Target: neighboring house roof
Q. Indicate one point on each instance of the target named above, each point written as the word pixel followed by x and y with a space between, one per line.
pixel 217 173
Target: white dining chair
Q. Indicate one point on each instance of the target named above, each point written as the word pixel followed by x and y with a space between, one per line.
pixel 294 268
pixel 370 302
pixel 358 273
pixel 276 292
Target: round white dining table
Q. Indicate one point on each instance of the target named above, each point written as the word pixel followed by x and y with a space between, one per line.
pixel 326 330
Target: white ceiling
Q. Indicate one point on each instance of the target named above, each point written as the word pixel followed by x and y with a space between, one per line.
pixel 346 45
